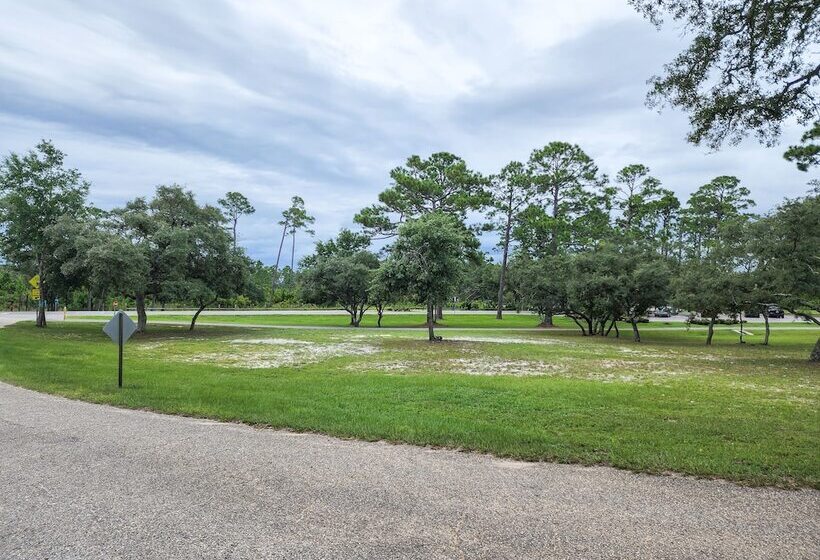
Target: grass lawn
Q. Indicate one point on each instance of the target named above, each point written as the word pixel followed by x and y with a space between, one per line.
pixel 746 413
pixel 394 320
pixel 409 320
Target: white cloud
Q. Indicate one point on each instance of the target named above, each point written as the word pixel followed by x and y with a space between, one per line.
pixel 322 99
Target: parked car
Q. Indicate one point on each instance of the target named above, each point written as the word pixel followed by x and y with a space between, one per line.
pixel 772 310
pixel 775 312
pixel 662 312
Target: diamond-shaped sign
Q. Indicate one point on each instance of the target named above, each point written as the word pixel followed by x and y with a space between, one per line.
pixel 112 327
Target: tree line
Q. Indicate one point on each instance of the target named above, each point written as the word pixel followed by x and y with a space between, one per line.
pixel 572 242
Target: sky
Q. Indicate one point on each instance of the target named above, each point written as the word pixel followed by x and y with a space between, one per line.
pixel 322 99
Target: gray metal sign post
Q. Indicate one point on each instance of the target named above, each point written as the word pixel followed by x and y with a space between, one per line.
pixel 119 329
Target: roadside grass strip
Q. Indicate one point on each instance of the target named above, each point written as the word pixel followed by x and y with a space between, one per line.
pixel 747 413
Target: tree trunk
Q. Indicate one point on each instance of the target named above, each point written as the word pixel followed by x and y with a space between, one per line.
pixel 41 303
pixel 355 316
pixel 580 326
pixel 547 322
pixel 617 332
pixel 380 311
pixel 234 232
pixel 431 333
pixel 815 354
pixel 503 277
pixel 279 255
pixel 711 331
pixel 292 249
pixel 439 312
pixel 766 333
pixel 41 313
pixel 636 335
pixel 142 317
pixel 740 332
pixel 554 240
pixel 196 315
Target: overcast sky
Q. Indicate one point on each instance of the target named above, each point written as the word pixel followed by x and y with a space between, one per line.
pixel 322 99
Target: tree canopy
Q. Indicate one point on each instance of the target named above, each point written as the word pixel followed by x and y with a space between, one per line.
pixel 36 190
pixel 441 183
pixel 427 261
pixel 749 68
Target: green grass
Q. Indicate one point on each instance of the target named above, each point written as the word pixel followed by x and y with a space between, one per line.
pixel 745 413
pixel 405 320
pixel 390 320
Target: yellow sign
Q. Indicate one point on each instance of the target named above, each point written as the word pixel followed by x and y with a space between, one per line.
pixel 35 282
pixel 35 293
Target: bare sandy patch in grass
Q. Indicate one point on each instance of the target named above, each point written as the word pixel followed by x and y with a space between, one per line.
pixel 468 366
pixel 506 340
pixel 274 341
pixel 498 366
pixel 639 352
pixel 268 353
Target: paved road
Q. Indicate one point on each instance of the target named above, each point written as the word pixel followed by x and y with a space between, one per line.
pixel 81 480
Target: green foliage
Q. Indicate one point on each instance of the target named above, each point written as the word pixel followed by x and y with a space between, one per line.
pixel 643 278
pixel 479 285
pixel 345 244
pixel 647 211
pixel 594 290
pixel 12 289
pixel 807 154
pixel 111 263
pixel 235 204
pixel 789 256
pixel 294 219
pixel 541 284
pixel 170 248
pixel 572 210
pixel 36 191
pixel 427 260
pixel 706 288
pixel 341 273
pixel 212 269
pixel 751 66
pixel 440 183
pixel 510 191
pixel 716 207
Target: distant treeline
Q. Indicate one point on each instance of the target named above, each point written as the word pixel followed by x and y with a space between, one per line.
pixel 572 241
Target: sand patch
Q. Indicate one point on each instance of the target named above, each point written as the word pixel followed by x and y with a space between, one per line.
pixel 269 353
pixel 505 340
pixel 275 341
pixel 468 366
pixel 497 366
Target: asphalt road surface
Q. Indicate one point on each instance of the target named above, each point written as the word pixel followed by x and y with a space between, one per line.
pixel 81 480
